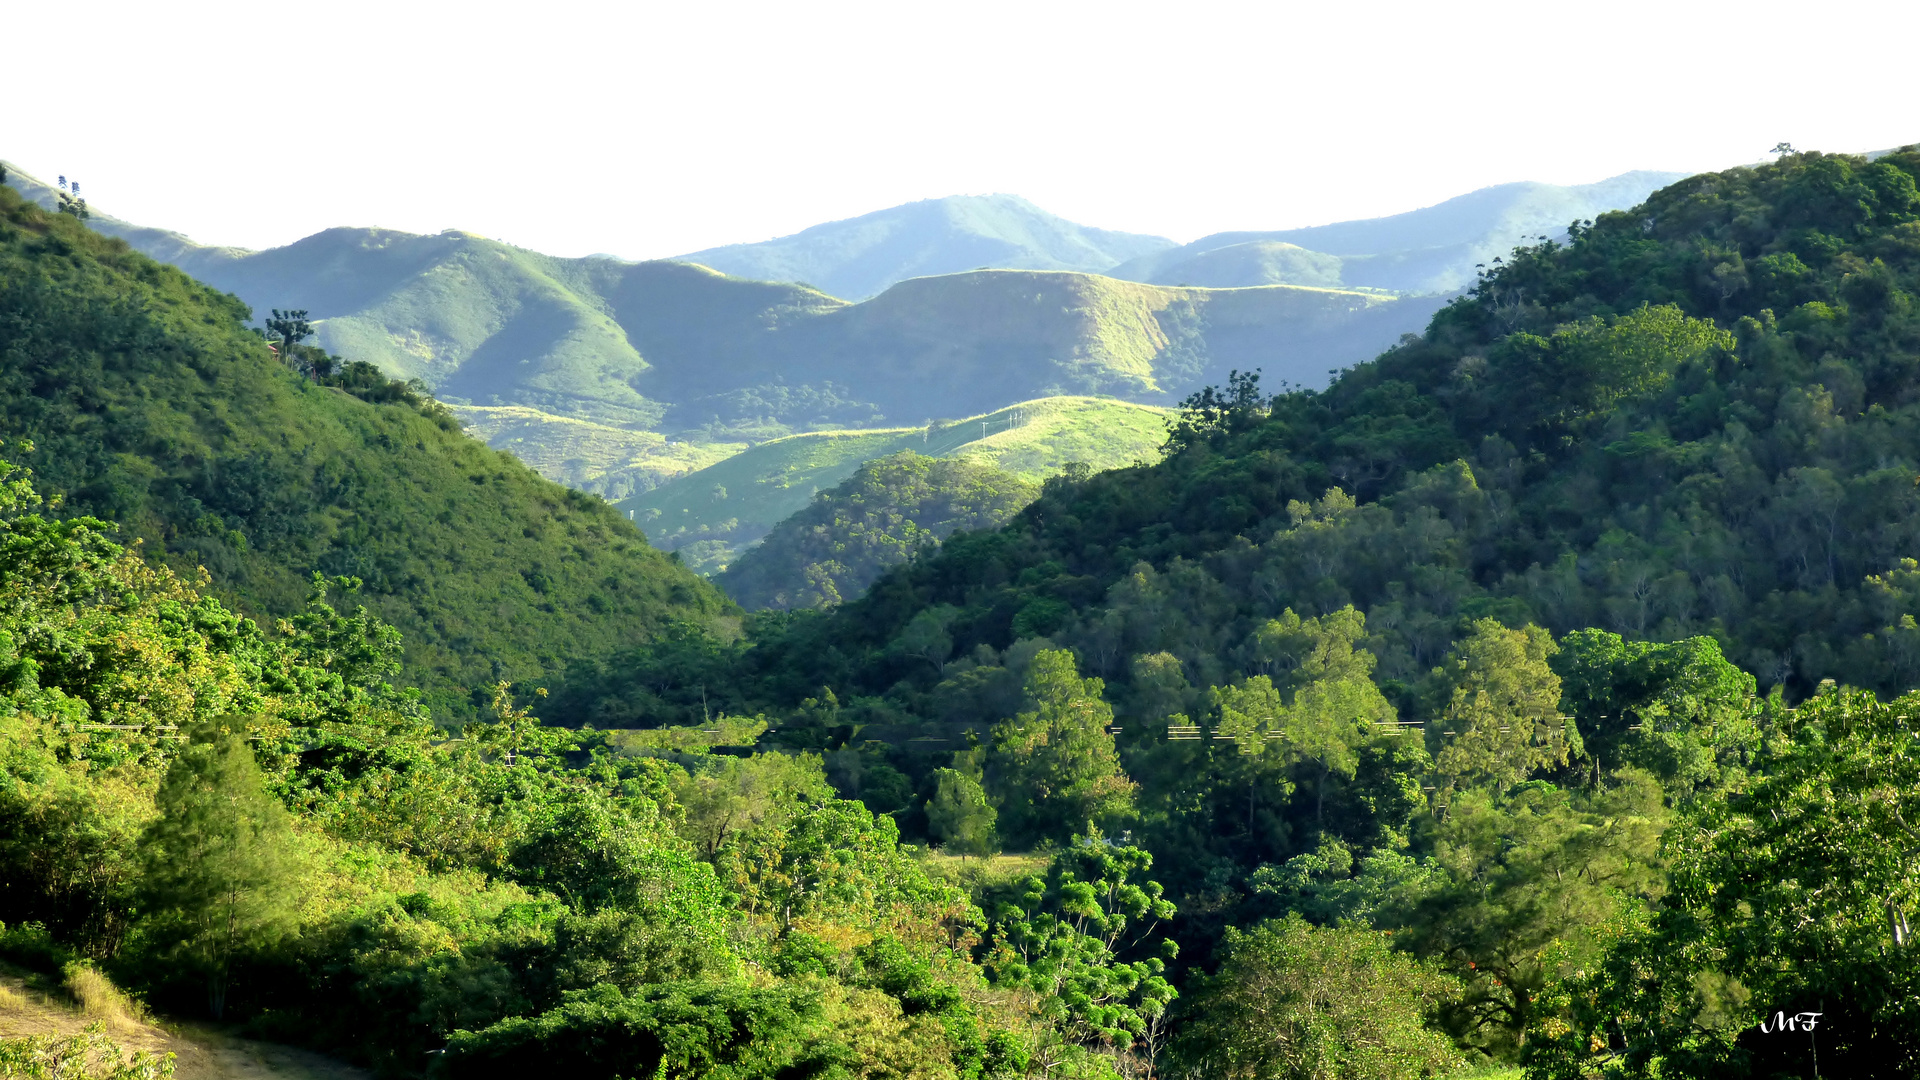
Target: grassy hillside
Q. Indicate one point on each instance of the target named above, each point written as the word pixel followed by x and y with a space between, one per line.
pixel 863 256
pixel 611 462
pixel 710 514
pixel 970 342
pixel 147 401
pixel 1256 262
pixel 1432 250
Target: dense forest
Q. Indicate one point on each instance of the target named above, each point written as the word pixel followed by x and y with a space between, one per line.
pixel 142 397
pixel 1530 699
pixel 893 508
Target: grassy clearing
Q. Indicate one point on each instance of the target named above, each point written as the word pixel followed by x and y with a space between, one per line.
pixel 977 873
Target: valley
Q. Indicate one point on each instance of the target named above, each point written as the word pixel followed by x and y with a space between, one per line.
pixel 1005 673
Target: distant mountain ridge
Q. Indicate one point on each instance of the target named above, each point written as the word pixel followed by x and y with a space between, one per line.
pixel 1430 250
pixel 686 351
pixel 863 256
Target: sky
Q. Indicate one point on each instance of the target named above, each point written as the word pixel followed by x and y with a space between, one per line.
pixel 653 129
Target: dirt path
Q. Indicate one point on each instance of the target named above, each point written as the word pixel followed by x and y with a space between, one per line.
pixel 200 1052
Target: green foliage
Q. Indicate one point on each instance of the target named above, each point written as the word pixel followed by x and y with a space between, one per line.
pixel 725 1032
pixel 1678 710
pixel 960 816
pixel 1792 895
pixel 1530 877
pixel 87 1056
pixel 1292 1000
pixel 1053 768
pixel 893 509
pixel 1065 937
pixel 147 401
pixel 221 870
pixel 1502 707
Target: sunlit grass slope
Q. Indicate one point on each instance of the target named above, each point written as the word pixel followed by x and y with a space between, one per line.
pixel 736 501
pixel 612 462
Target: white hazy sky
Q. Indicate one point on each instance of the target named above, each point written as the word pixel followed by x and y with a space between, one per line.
pixel 652 129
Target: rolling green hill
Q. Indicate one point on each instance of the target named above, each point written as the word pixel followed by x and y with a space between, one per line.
pixel 866 255
pixel 147 401
pixel 709 515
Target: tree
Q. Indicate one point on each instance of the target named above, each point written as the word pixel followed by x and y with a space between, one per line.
pixel 1795 895
pixel 1065 937
pixel 70 201
pixel 1334 708
pixel 1292 1001
pixel 291 327
pixel 221 867
pixel 959 815
pixel 1679 710
pixel 1054 767
pixel 1502 702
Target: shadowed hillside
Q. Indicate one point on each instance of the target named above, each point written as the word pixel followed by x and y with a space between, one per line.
pixel 148 401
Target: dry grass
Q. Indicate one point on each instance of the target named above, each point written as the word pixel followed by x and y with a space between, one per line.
pixel 976 874
pixel 11 1000
pixel 98 999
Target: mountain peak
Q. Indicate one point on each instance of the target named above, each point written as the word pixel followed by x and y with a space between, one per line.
pixel 861 256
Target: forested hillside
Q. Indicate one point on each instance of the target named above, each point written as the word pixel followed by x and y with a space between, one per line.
pixel 1538 697
pixel 262 831
pixel 1473 648
pixel 141 396
pixel 1696 418
pixel 893 509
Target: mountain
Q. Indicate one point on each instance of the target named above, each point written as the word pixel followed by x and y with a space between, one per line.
pixel 693 355
pixel 1432 250
pixel 147 401
pixel 1702 421
pixel 709 515
pixel 866 255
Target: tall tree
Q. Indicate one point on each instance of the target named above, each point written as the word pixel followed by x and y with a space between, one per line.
pixel 1501 701
pixel 221 866
pixel 1054 766
pixel 291 327
pixel 959 815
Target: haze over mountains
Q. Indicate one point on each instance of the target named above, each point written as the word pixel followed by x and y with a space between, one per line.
pixel 1431 250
